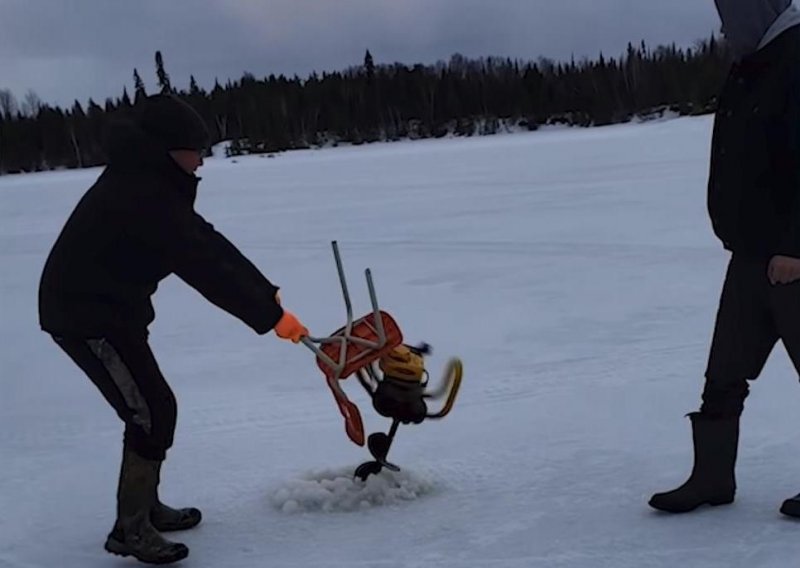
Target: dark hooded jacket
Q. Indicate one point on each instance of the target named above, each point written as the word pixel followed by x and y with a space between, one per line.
pixel 750 24
pixel 134 227
pixel 754 181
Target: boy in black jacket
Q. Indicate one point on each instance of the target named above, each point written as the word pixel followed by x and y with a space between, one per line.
pixel 754 204
pixel 134 227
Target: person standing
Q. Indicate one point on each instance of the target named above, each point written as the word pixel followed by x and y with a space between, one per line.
pixel 754 205
pixel 134 227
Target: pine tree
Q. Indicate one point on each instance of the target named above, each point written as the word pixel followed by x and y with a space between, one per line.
pixel 126 100
pixel 369 66
pixel 139 92
pixel 162 75
pixel 193 88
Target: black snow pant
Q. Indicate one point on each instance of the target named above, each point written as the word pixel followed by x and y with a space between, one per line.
pixel 753 315
pixel 125 371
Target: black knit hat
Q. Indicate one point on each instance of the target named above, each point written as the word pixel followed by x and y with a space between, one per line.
pixel 174 123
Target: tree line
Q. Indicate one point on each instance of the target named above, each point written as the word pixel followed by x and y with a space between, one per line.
pixel 372 102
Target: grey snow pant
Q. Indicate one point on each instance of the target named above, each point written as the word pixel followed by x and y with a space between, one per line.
pixel 126 373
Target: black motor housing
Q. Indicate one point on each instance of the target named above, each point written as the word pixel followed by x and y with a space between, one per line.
pixel 400 400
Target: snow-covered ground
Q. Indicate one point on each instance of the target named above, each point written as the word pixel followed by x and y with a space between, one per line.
pixel 575 273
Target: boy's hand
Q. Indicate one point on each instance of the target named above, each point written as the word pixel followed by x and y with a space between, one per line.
pixel 783 270
pixel 290 328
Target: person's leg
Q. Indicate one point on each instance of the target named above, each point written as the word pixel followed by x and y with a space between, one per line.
pixel 785 300
pixel 124 371
pixel 137 357
pixel 132 385
pixel 744 336
pixel 133 369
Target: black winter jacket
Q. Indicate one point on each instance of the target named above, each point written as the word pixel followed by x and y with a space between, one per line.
pixel 134 227
pixel 754 182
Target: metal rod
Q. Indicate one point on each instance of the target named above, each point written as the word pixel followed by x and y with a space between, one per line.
pixel 340 338
pixel 393 430
pixel 321 354
pixel 346 337
pixel 364 342
pixel 347 303
pixel 378 319
pixel 343 281
pixel 364 379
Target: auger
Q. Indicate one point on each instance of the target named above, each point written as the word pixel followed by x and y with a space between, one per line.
pixel 392 372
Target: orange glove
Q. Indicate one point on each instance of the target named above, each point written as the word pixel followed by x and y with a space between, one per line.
pixel 289 327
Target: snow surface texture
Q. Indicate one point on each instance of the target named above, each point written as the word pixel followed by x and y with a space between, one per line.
pixel 575 273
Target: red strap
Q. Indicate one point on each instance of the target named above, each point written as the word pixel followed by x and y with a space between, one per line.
pixel 354 425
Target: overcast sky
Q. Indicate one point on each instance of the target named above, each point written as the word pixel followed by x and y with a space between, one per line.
pixel 76 49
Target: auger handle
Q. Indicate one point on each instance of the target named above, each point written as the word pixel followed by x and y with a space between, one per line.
pixel 343 281
pixel 311 342
pixel 455 369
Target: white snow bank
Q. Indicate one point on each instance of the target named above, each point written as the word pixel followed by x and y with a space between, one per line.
pixel 336 490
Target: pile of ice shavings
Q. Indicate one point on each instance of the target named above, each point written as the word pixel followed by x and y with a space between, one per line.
pixel 337 490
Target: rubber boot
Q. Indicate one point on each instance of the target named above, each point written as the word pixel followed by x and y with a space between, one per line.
pixel 133 533
pixel 713 481
pixel 791 507
pixel 165 519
